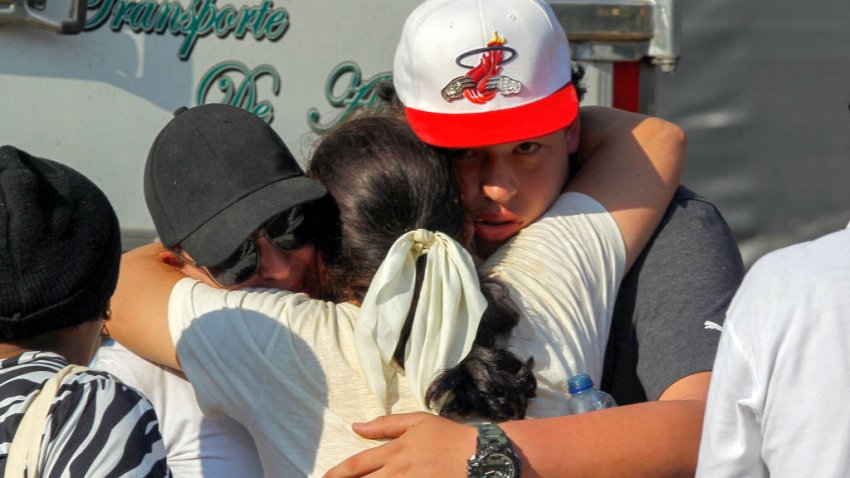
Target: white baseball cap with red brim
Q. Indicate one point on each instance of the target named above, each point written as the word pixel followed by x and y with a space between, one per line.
pixel 480 72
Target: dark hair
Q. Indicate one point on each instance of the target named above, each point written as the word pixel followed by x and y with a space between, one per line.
pixel 387 182
pixel 578 81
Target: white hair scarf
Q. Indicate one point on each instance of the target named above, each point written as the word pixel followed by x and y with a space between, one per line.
pixel 445 321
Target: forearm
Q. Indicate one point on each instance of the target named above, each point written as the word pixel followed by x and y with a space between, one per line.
pixel 140 305
pixel 605 131
pixel 653 439
pixel 634 166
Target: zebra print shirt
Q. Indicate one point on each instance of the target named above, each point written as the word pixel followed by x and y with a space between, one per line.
pixel 97 426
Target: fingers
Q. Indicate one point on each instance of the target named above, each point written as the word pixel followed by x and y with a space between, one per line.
pixel 389 426
pixel 362 464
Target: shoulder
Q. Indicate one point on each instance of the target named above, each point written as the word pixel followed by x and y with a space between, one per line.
pixel 796 273
pixel 672 300
pixel 130 368
pixel 692 243
pixel 197 308
pixel 690 215
pixel 575 219
pixel 576 235
pixel 824 253
pixel 797 295
pixel 574 203
pixel 101 391
pixel 197 299
pixel 107 424
pixel 20 374
pixel 26 374
pixel 95 421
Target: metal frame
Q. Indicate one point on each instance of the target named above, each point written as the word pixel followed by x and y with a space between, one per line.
pixel 27 12
pixel 622 30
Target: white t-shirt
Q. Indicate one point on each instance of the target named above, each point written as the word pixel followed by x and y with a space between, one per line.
pixel 563 272
pixel 285 365
pixel 777 404
pixel 195 445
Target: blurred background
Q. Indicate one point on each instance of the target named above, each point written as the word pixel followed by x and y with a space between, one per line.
pixel 762 90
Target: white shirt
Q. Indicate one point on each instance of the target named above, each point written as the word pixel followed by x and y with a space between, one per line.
pixel 195 446
pixel 777 404
pixel 563 272
pixel 285 365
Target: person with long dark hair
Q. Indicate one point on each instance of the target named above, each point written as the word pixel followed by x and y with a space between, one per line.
pixel 418 329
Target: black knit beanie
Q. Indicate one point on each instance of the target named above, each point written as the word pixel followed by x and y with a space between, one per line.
pixel 60 246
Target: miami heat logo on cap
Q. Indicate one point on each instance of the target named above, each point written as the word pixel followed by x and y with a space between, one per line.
pixel 482 81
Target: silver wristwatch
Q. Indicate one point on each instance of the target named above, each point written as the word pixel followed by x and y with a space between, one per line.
pixel 494 456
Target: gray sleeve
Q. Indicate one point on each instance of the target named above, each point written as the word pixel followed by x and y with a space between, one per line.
pixel 680 285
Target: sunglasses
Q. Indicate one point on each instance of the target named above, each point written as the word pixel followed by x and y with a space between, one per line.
pixel 288 231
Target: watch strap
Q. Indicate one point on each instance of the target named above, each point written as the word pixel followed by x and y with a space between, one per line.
pixel 492 441
pixel 491 438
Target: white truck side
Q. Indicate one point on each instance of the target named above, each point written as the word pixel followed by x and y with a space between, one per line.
pixel 91 82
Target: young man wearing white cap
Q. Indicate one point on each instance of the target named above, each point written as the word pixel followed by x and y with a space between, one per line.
pixel 493 81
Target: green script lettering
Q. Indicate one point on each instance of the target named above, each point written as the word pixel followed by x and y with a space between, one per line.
pixel 142 17
pixel 224 20
pixel 265 111
pixel 196 21
pixel 166 11
pixel 185 20
pixel 257 28
pixel 242 94
pixel 245 16
pixel 103 8
pixel 200 26
pixel 356 94
pixel 121 11
pixel 277 24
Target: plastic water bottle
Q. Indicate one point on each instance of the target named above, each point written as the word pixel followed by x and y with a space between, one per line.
pixel 585 398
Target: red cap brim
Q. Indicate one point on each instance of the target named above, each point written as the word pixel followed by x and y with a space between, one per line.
pixel 472 130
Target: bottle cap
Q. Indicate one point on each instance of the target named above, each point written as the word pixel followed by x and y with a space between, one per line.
pixel 579 382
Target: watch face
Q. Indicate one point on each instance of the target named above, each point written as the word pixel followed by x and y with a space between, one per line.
pixel 497 465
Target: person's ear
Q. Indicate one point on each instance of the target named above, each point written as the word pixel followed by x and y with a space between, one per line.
pixel 186 267
pixel 172 259
pixel 573 134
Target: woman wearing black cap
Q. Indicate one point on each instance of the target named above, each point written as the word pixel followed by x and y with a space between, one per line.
pixel 59 253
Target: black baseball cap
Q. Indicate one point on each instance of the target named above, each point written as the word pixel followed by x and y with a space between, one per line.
pixel 214 175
